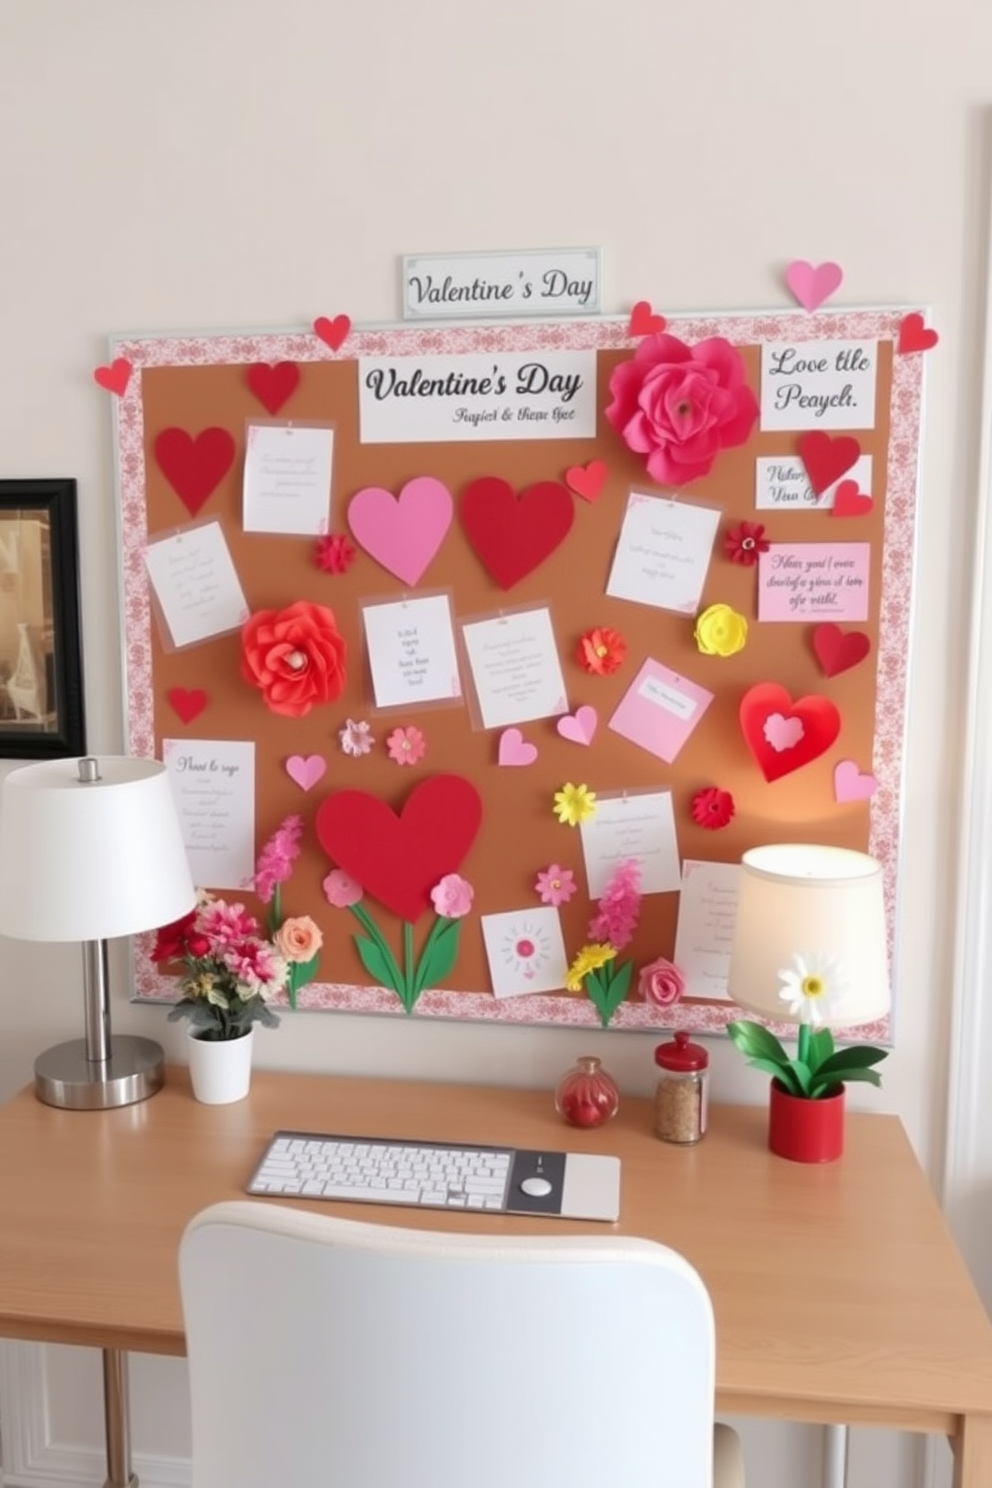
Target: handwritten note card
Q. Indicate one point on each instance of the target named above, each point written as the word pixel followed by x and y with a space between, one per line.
pixel 705 932
pixel 814 581
pixel 213 782
pixel 659 710
pixel 515 668
pixel 663 553
pixel 641 826
pixel 525 951
pixel 781 484
pixel 411 650
pixel 818 384
pixel 196 584
pixel 287 479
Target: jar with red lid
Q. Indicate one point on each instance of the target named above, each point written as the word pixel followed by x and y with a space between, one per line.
pixel 682 1094
pixel 586 1094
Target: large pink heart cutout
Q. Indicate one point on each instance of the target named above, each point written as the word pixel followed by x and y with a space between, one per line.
pixel 402 533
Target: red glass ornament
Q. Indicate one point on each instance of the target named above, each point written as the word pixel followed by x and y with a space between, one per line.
pixel 586 1094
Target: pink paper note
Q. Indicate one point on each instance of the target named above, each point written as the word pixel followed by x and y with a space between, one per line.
pixel 659 710
pixel 814 581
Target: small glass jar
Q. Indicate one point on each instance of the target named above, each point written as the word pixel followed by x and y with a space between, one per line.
pixel 682 1094
pixel 586 1094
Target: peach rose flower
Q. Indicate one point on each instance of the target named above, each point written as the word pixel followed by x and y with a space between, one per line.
pixel 296 657
pixel 298 939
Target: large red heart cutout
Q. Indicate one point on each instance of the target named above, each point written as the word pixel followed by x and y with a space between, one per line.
pixel 837 650
pixel 194 467
pixel 399 859
pixel 827 459
pixel 512 535
pixel 273 384
pixel 783 735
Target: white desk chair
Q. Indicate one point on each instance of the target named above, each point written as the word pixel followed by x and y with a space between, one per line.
pixel 327 1353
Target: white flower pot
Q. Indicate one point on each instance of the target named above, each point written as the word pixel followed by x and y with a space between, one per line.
pixel 220 1071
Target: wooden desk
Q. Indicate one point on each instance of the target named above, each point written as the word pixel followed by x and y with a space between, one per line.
pixel 838 1292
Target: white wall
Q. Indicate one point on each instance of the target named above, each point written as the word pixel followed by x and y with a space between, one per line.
pixel 210 164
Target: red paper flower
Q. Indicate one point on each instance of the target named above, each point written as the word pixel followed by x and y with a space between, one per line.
pixel 681 405
pixel 712 808
pixel 296 657
pixel 335 554
pixel 602 651
pixel 743 543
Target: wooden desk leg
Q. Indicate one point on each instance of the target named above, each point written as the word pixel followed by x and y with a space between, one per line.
pixel 835 1441
pixel 117 1420
pixel 973 1453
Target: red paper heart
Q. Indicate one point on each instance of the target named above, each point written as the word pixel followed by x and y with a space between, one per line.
pixel 586 480
pixel 399 859
pixel 767 714
pixel 915 335
pixel 188 702
pixel 850 502
pixel 837 650
pixel 514 535
pixel 826 459
pixel 644 322
pixel 273 384
pixel 332 332
pixel 115 378
pixel 194 467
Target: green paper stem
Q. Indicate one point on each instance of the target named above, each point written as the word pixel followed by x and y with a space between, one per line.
pixel 408 994
pixel 393 973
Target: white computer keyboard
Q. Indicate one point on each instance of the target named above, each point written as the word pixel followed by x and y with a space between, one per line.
pixel 439 1175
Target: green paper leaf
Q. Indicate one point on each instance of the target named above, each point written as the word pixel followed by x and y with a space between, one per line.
pixel 820 1048
pixel 858 1056
pixel 379 963
pixel 756 1042
pixel 438 956
pixel 824 1083
pixel 782 1072
pixel 801 1071
pixel 606 988
pixel 300 973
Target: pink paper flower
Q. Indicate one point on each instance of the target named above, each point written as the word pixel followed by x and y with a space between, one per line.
pixel 341 890
pixel 298 939
pixel 452 897
pixel 681 405
pixel 275 861
pixel 406 746
pixel 555 885
pixel 661 982
pixel 619 907
pixel 356 738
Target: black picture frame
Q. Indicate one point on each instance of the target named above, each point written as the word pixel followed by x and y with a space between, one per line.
pixel 41 668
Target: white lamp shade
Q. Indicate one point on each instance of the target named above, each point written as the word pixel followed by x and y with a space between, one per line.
pixel 823 904
pixel 90 860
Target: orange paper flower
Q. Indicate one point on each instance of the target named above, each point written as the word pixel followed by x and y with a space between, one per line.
pixel 601 651
pixel 295 657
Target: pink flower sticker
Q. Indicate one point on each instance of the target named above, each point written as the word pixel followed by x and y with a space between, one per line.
pixel 555 885
pixel 406 746
pixel 341 890
pixel 452 897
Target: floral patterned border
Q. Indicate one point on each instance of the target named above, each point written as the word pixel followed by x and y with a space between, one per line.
pixel 606 333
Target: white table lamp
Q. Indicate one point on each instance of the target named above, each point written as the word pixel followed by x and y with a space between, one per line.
pixel 91 849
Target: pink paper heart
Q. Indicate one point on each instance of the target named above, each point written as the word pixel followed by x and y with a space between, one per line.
pixel 579 727
pixel 514 749
pixel 402 533
pixel 851 785
pixel 305 770
pixel 813 283
pixel 783 733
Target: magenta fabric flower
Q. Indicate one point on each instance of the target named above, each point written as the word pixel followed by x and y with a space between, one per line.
pixel 555 885
pixel 661 982
pixel 681 405
pixel 619 907
pixel 341 890
pixel 452 897
pixel 275 861
pixel 406 746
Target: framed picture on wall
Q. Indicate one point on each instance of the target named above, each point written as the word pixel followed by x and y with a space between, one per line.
pixel 41 675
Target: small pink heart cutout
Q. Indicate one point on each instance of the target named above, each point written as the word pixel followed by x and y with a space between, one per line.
pixel 514 748
pixel 305 770
pixel 579 727
pixel 851 785
pixel 813 283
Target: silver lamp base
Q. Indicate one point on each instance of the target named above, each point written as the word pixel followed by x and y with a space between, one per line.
pixel 63 1076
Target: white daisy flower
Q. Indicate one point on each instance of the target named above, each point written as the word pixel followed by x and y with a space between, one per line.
pixel 814 989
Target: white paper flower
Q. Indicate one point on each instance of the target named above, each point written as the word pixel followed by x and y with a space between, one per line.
pixel 814 989
pixel 356 738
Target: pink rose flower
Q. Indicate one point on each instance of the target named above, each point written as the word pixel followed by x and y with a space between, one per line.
pixel 298 939
pixel 681 405
pixel 341 890
pixel 452 897
pixel 661 982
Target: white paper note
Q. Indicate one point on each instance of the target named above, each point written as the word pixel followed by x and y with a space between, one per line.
pixel 663 553
pixel 213 782
pixel 411 649
pixel 525 950
pixel 818 384
pixel 515 668
pixel 287 479
pixel 640 826
pixel 705 933
pixel 781 484
pixel 196 584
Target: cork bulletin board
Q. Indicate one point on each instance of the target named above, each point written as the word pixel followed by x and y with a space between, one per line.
pixel 799 729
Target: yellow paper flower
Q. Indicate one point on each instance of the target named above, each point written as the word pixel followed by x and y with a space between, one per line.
pixel 590 958
pixel 574 804
pixel 721 631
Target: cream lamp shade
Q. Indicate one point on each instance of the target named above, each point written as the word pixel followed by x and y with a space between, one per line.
pixel 823 904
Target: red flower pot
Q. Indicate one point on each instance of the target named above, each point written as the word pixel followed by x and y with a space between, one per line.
pixel 810 1131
